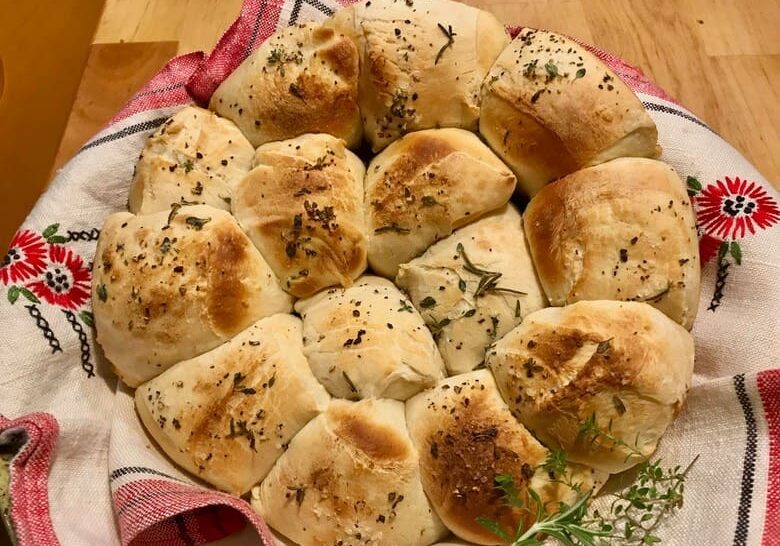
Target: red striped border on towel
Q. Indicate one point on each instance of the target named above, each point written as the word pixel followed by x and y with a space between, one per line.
pixel 769 389
pixel 29 478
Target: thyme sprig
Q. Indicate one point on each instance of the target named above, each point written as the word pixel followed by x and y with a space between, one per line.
pixel 450 35
pixel 633 517
pixel 488 280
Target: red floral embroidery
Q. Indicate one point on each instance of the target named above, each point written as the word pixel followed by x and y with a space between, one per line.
pixel 25 259
pixel 65 281
pixel 729 210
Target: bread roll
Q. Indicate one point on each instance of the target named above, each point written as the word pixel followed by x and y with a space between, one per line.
pixel 174 284
pixel 368 341
pixel 302 79
pixel 228 414
pixel 550 107
pixel 624 363
pixel 421 64
pixel 423 187
pixel 302 206
pixel 623 230
pixel 196 157
pixel 466 437
pixel 350 477
pixel 471 305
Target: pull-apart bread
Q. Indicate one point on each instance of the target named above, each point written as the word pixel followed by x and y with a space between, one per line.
pixel 550 107
pixel 196 157
pixel 466 437
pixel 474 286
pixel 350 477
pixel 624 364
pixel 302 205
pixel 302 79
pixel 424 186
pixel 368 341
pixel 623 230
pixel 172 285
pixel 228 414
pixel 422 64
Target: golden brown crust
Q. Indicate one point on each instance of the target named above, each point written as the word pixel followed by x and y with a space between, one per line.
pixel 425 185
pixel 303 79
pixel 302 207
pixel 406 53
pixel 622 230
pixel 228 414
pixel 623 362
pixel 466 437
pixel 551 107
pixel 351 477
pixel 195 157
pixel 172 285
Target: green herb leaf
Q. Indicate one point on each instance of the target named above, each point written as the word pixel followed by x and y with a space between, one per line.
pixel 552 70
pixel 102 293
pixel 227 200
pixel 188 166
pixel 427 302
pixel 13 294
pixel 470 313
pixel 51 230
pixel 604 346
pixel 197 223
pixel 694 186
pixel 392 227
pixel 579 74
pixel 723 250
pixel 87 318
pixel 736 252
pixel 494 528
pixel 405 306
pixel 165 246
pixel 462 285
pixel 29 295
pixel 174 211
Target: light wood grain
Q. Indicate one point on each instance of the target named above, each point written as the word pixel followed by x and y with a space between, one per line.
pixel 114 72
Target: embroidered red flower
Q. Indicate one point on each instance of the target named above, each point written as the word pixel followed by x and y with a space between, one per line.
pixel 25 259
pixel 65 282
pixel 729 210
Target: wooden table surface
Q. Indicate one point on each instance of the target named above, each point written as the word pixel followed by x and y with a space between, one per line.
pixel 720 58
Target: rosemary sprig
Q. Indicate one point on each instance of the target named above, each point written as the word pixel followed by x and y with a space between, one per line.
pixel 488 280
pixel 450 35
pixel 633 517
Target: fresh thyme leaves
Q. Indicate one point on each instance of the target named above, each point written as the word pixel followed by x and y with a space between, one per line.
pixel 197 223
pixel 405 306
pixel 633 516
pixel 174 211
pixel 552 70
pixel 579 74
pixel 102 292
pixel 488 280
pixel 604 346
pixel 438 326
pixel 239 428
pixel 165 246
pixel 279 57
pixel 427 302
pixel 392 227
pixel 450 35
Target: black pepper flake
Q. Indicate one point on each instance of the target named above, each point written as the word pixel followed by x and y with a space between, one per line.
pixel 224 162
pixel 535 96
pixel 634 240
pixel 427 302
pixel 623 255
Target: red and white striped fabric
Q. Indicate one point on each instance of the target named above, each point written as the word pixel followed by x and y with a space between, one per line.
pixel 86 473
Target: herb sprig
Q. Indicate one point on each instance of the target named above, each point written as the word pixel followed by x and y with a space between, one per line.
pixel 450 35
pixel 633 516
pixel 488 280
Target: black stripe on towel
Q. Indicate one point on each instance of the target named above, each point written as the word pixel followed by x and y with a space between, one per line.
pixel 675 112
pixel 184 535
pixel 125 470
pixel 749 464
pixel 127 131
